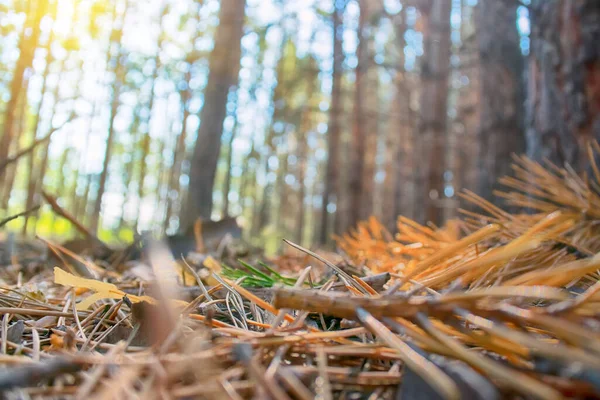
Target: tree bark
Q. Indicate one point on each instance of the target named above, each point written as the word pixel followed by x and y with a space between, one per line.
pixel 501 91
pixel 563 94
pixel 434 97
pixel 223 76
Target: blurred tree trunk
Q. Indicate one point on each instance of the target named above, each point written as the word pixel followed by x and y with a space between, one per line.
pixel 20 122
pixel 501 91
pixel 469 111
pixel 355 181
pixel 42 166
pixel 366 113
pixel 27 45
pixel 331 193
pixel 229 164
pixel 395 185
pixel 224 65
pixel 129 167
pixel 305 126
pixel 262 218
pixel 563 99
pixel 114 64
pixel 147 139
pixel 434 96
pixel 178 157
pixel 369 106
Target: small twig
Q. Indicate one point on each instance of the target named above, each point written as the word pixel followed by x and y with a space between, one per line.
pixel 331 265
pixel 26 150
pixel 21 214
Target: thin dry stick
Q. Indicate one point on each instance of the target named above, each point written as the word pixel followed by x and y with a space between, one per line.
pixel 435 377
pixel 21 214
pixel 331 265
pixel 509 378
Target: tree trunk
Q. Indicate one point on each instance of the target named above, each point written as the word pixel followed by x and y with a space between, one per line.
pixel 305 126
pixel 563 99
pixel 355 181
pixel 331 191
pixel 434 96
pixel 468 117
pixel 223 76
pixel 364 131
pixel 394 187
pixel 501 91
pixel 227 182
pixel 369 106
pixel 175 173
pixel 27 45
pixel 115 60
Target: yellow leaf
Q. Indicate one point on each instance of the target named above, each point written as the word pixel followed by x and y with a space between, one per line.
pixel 103 290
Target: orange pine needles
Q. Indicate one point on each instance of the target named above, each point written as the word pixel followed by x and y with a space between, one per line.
pixel 551 246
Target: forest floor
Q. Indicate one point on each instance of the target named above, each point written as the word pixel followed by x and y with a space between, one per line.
pixel 490 306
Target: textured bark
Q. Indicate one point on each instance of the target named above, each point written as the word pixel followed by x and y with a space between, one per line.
pixel 501 91
pixel 434 97
pixel 563 99
pixel 224 65
pixel 331 191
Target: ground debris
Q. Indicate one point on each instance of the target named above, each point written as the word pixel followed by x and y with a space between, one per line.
pixel 495 305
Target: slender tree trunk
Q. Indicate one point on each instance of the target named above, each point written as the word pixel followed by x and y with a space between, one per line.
pixel 501 97
pixel 31 158
pixel 434 97
pixel 396 136
pixel 369 107
pixel 331 192
pixel 129 168
pixel 27 45
pixel 223 76
pixel 227 182
pixel 468 106
pixel 175 173
pixel 563 98
pixel 303 133
pixel 261 219
pixel 147 139
pixel 355 181
pixel 11 170
pixel 115 60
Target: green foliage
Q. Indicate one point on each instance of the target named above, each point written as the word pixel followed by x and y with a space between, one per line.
pixel 255 277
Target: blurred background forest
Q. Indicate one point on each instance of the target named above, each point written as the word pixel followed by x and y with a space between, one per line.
pixel 298 117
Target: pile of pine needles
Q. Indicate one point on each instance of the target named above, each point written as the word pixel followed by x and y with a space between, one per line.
pixel 493 305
